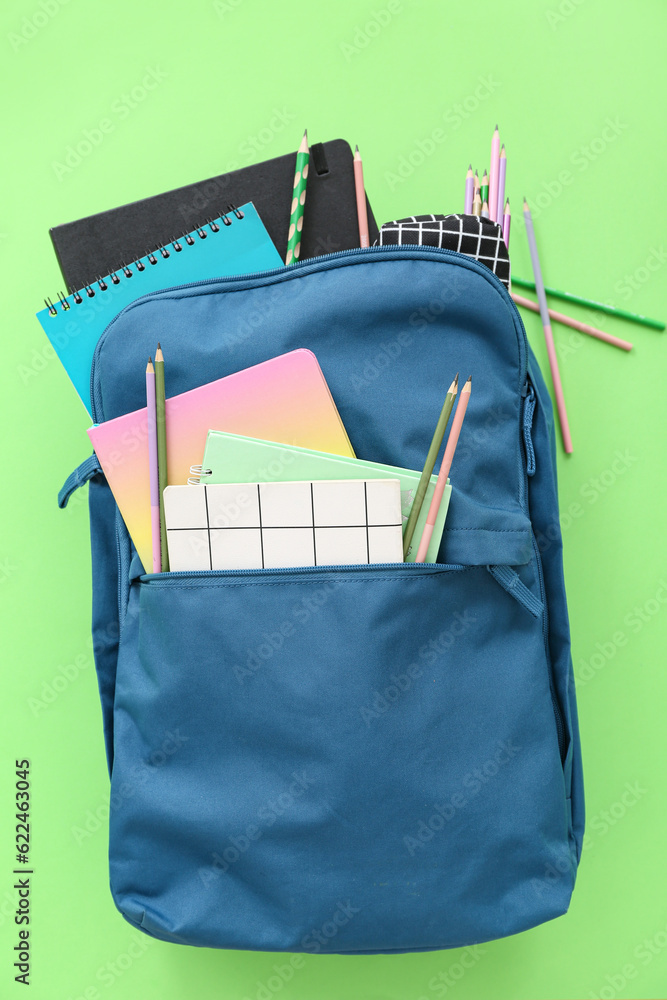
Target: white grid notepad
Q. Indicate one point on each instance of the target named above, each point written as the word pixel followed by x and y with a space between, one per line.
pixel 277 525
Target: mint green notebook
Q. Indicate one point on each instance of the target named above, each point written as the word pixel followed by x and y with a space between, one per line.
pixel 232 458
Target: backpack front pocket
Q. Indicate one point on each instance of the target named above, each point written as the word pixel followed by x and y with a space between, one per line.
pixel 323 748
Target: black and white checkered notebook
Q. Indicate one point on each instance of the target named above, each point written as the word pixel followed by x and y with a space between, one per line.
pixel 276 525
pixel 467 234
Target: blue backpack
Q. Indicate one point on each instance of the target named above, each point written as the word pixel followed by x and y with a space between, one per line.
pixel 351 759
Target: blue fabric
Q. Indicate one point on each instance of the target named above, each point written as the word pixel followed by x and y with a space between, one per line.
pixel 364 759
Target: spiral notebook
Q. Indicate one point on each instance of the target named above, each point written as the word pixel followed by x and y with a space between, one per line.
pixel 237 243
pixel 233 458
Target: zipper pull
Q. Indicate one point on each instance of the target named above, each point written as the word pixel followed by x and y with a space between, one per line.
pixel 78 478
pixel 528 413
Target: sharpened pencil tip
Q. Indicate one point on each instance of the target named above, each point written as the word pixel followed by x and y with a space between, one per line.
pixel 356 149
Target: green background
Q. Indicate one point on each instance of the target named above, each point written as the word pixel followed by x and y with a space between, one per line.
pixel 553 74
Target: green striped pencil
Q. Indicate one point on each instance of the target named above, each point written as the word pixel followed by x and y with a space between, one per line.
pixel 425 478
pixel 298 201
pixel 592 304
pixel 161 434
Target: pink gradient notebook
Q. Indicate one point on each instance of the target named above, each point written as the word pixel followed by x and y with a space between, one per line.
pixel 285 399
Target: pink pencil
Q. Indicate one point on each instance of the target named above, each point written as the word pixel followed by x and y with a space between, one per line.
pixel 559 317
pixel 362 214
pixel 507 219
pixel 470 184
pixel 450 448
pixel 502 173
pixel 152 466
pixel 548 335
pixel 493 176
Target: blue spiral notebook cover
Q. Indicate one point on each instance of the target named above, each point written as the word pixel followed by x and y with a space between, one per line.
pixel 239 245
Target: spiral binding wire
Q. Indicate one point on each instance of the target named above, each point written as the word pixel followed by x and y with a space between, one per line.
pixel 126 269
pixel 198 473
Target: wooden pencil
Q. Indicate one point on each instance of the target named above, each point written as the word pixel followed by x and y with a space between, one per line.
pixel 592 304
pixel 161 434
pixel 425 478
pixel 548 335
pixel 446 465
pixel 574 324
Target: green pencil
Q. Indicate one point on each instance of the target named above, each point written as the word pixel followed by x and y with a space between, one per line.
pixel 440 429
pixel 298 201
pixel 592 304
pixel 161 434
pixel 484 190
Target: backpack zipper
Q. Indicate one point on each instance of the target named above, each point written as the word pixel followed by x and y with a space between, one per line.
pixel 528 414
pixel 529 470
pixel 309 570
pixel 313 265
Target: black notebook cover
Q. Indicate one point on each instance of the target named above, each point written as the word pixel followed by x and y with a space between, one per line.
pixel 96 246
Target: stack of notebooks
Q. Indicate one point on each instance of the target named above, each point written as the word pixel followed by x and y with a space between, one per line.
pixel 256 501
pixel 260 502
